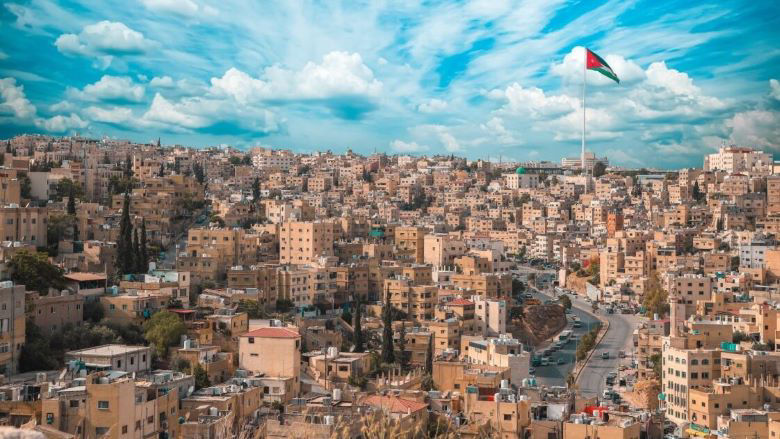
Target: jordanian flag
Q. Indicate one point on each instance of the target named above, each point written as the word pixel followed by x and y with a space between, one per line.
pixel 597 63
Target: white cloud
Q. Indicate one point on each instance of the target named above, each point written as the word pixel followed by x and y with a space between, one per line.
pixel 755 128
pixel 339 74
pixel 15 102
pixel 103 40
pixel 675 81
pixel 432 106
pixel 495 126
pixel 571 69
pixel 61 124
pixel 3 55
pixel 112 115
pixel 196 113
pixel 534 102
pixel 110 88
pixel 162 82
pixel 401 146
pixel 774 86
pixel 186 8
pixel 181 114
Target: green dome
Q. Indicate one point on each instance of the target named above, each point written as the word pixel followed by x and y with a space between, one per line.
pixel 520 170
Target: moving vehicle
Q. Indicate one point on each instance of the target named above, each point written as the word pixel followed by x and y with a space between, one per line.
pixel 622 354
pixel 560 361
pixel 545 361
pixel 564 335
pixel 532 370
pixel 605 355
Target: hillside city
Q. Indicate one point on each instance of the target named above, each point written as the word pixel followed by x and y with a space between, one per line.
pixel 175 292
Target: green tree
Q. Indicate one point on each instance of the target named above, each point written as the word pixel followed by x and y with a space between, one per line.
pixel 162 171
pixel 429 356
pixel 201 377
pixel 657 367
pixel 656 298
pixel 388 356
pixel 72 201
pixel 403 361
pixel 284 305
pixel 25 186
pixel 128 171
pixel 696 192
pixel 357 327
pixel 36 353
pixel 256 190
pixel 246 160
pixel 164 329
pixel 565 301
pixel 200 174
pixel 144 247
pixel 93 311
pixel 234 160
pixel 124 255
pixel 34 271
pixel 599 169
pixel 137 257
pixel 518 287
pixel 182 365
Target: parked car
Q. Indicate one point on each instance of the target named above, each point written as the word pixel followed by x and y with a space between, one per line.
pixel 561 360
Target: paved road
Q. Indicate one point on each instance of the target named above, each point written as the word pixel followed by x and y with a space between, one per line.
pixel 592 378
pixel 555 375
pixel 618 338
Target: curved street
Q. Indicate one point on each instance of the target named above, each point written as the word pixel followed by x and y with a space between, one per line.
pixel 592 378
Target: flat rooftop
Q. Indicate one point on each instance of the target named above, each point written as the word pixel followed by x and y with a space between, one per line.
pixel 109 350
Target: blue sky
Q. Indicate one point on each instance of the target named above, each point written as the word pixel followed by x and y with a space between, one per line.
pixel 484 79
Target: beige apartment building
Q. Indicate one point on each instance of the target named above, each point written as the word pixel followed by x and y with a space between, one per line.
pixel 113 405
pixel 684 369
pixel 410 243
pixel 418 302
pixel 709 402
pixel 272 351
pixel 51 313
pixel 24 224
pixel 132 308
pixel 304 242
pixel 114 357
pixel 12 326
pixel 441 250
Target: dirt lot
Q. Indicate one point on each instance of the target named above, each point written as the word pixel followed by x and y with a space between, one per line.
pixel 539 323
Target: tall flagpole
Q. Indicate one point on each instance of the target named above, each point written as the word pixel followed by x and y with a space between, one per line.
pixel 584 70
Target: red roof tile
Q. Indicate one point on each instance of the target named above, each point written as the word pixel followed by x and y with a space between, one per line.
pixel 272 333
pixel 461 302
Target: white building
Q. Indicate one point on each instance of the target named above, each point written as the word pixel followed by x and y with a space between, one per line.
pixel 734 160
pixel 490 315
pixel 520 180
pixel 590 161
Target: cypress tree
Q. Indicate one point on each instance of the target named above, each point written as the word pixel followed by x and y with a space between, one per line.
pixel 137 261
pixel 429 356
pixel 72 201
pixel 124 258
pixel 388 356
pixel 358 327
pixel 162 170
pixel 128 167
pixel 402 347
pixel 144 247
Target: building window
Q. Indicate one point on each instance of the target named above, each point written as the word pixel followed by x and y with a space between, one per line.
pixel 102 405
